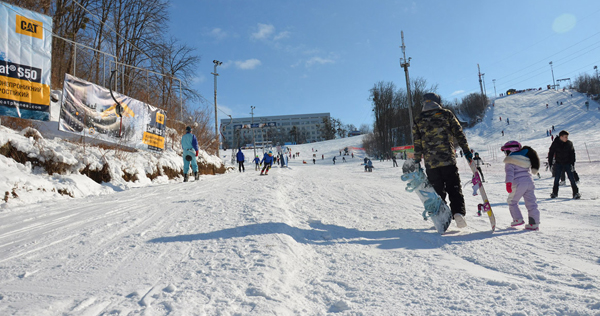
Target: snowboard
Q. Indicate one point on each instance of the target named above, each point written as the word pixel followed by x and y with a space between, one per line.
pixel 435 208
pixel 478 186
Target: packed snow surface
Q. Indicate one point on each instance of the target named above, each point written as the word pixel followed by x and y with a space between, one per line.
pixel 316 239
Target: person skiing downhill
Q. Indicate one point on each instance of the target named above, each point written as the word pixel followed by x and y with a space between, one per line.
pixel 189 144
pixel 267 161
pixel 519 182
pixel 563 152
pixel 435 131
pixel 240 160
pixel 478 164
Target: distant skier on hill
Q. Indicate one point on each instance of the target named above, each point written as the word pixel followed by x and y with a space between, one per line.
pixel 563 151
pixel 519 182
pixel 433 132
pixel 478 164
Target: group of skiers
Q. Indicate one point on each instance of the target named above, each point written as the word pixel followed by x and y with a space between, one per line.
pixel 434 130
pixel 267 160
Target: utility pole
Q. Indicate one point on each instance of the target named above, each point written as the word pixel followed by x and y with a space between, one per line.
pixel 405 63
pixel 483 79
pixel 596 68
pixel 481 86
pixel 553 82
pixel 494 81
pixel 217 63
pixel 252 128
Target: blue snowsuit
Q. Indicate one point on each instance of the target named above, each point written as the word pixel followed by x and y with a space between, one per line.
pixel 189 144
pixel 267 161
pixel 240 160
pixel 256 162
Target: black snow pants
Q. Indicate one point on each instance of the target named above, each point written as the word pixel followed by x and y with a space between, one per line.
pixel 446 181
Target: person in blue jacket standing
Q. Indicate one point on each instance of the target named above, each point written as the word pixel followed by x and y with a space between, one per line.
pixel 189 144
pixel 256 162
pixel 240 160
pixel 267 161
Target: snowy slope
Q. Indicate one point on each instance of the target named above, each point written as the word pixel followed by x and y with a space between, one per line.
pixel 318 239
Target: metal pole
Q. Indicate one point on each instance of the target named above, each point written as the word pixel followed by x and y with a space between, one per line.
pixel 253 142
pixel 494 81
pixel 588 152
pixel 181 103
pixel 553 82
pixel 103 70
pixel 405 64
pixel 483 98
pixel 217 63
pixel 74 60
pixel 484 89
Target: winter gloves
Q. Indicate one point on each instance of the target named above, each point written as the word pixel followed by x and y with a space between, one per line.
pixel 196 153
pixel 509 187
pixel 469 155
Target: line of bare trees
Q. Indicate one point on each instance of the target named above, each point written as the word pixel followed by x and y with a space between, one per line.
pixel 143 42
pixel 390 108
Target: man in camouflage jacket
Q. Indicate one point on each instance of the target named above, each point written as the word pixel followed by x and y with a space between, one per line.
pixel 436 131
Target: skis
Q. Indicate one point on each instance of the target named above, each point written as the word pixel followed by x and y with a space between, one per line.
pixel 435 208
pixel 478 186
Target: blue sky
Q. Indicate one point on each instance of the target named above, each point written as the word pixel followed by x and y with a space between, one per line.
pixel 293 57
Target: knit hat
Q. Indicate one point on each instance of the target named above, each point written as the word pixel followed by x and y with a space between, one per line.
pixel 432 97
pixel 188 129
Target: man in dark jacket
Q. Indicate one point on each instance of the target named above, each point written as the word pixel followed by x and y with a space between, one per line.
pixel 240 160
pixel 563 152
pixel 435 131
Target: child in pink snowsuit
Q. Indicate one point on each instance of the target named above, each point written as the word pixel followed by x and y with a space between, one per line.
pixel 519 182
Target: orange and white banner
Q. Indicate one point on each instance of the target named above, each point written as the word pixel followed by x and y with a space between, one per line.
pixel 25 59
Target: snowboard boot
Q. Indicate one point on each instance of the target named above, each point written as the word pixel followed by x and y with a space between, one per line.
pixel 553 195
pixel 460 220
pixel 185 178
pixel 577 196
pixel 196 176
pixel 532 227
pixel 517 222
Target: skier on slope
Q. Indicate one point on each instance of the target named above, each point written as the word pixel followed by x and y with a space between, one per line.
pixel 240 160
pixel 189 144
pixel 478 164
pixel 435 130
pixel 563 151
pixel 267 161
pixel 519 182
pixel 256 163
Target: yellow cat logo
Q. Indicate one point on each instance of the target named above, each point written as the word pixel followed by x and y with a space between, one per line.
pixel 30 27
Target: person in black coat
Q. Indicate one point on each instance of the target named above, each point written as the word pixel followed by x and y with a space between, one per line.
pixel 563 152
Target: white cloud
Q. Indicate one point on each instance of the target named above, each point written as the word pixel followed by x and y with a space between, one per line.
pixel 264 31
pixel 457 92
pixel 281 35
pixel 319 60
pixel 247 64
pixel 218 33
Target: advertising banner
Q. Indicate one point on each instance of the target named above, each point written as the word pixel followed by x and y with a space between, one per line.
pixel 25 59
pixel 89 110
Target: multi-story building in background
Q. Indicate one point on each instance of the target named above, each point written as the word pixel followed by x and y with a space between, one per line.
pixel 273 130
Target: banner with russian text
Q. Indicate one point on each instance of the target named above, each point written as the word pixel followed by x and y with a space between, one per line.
pixel 25 59
pixel 89 110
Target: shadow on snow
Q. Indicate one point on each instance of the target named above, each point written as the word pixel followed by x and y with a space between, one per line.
pixel 326 234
